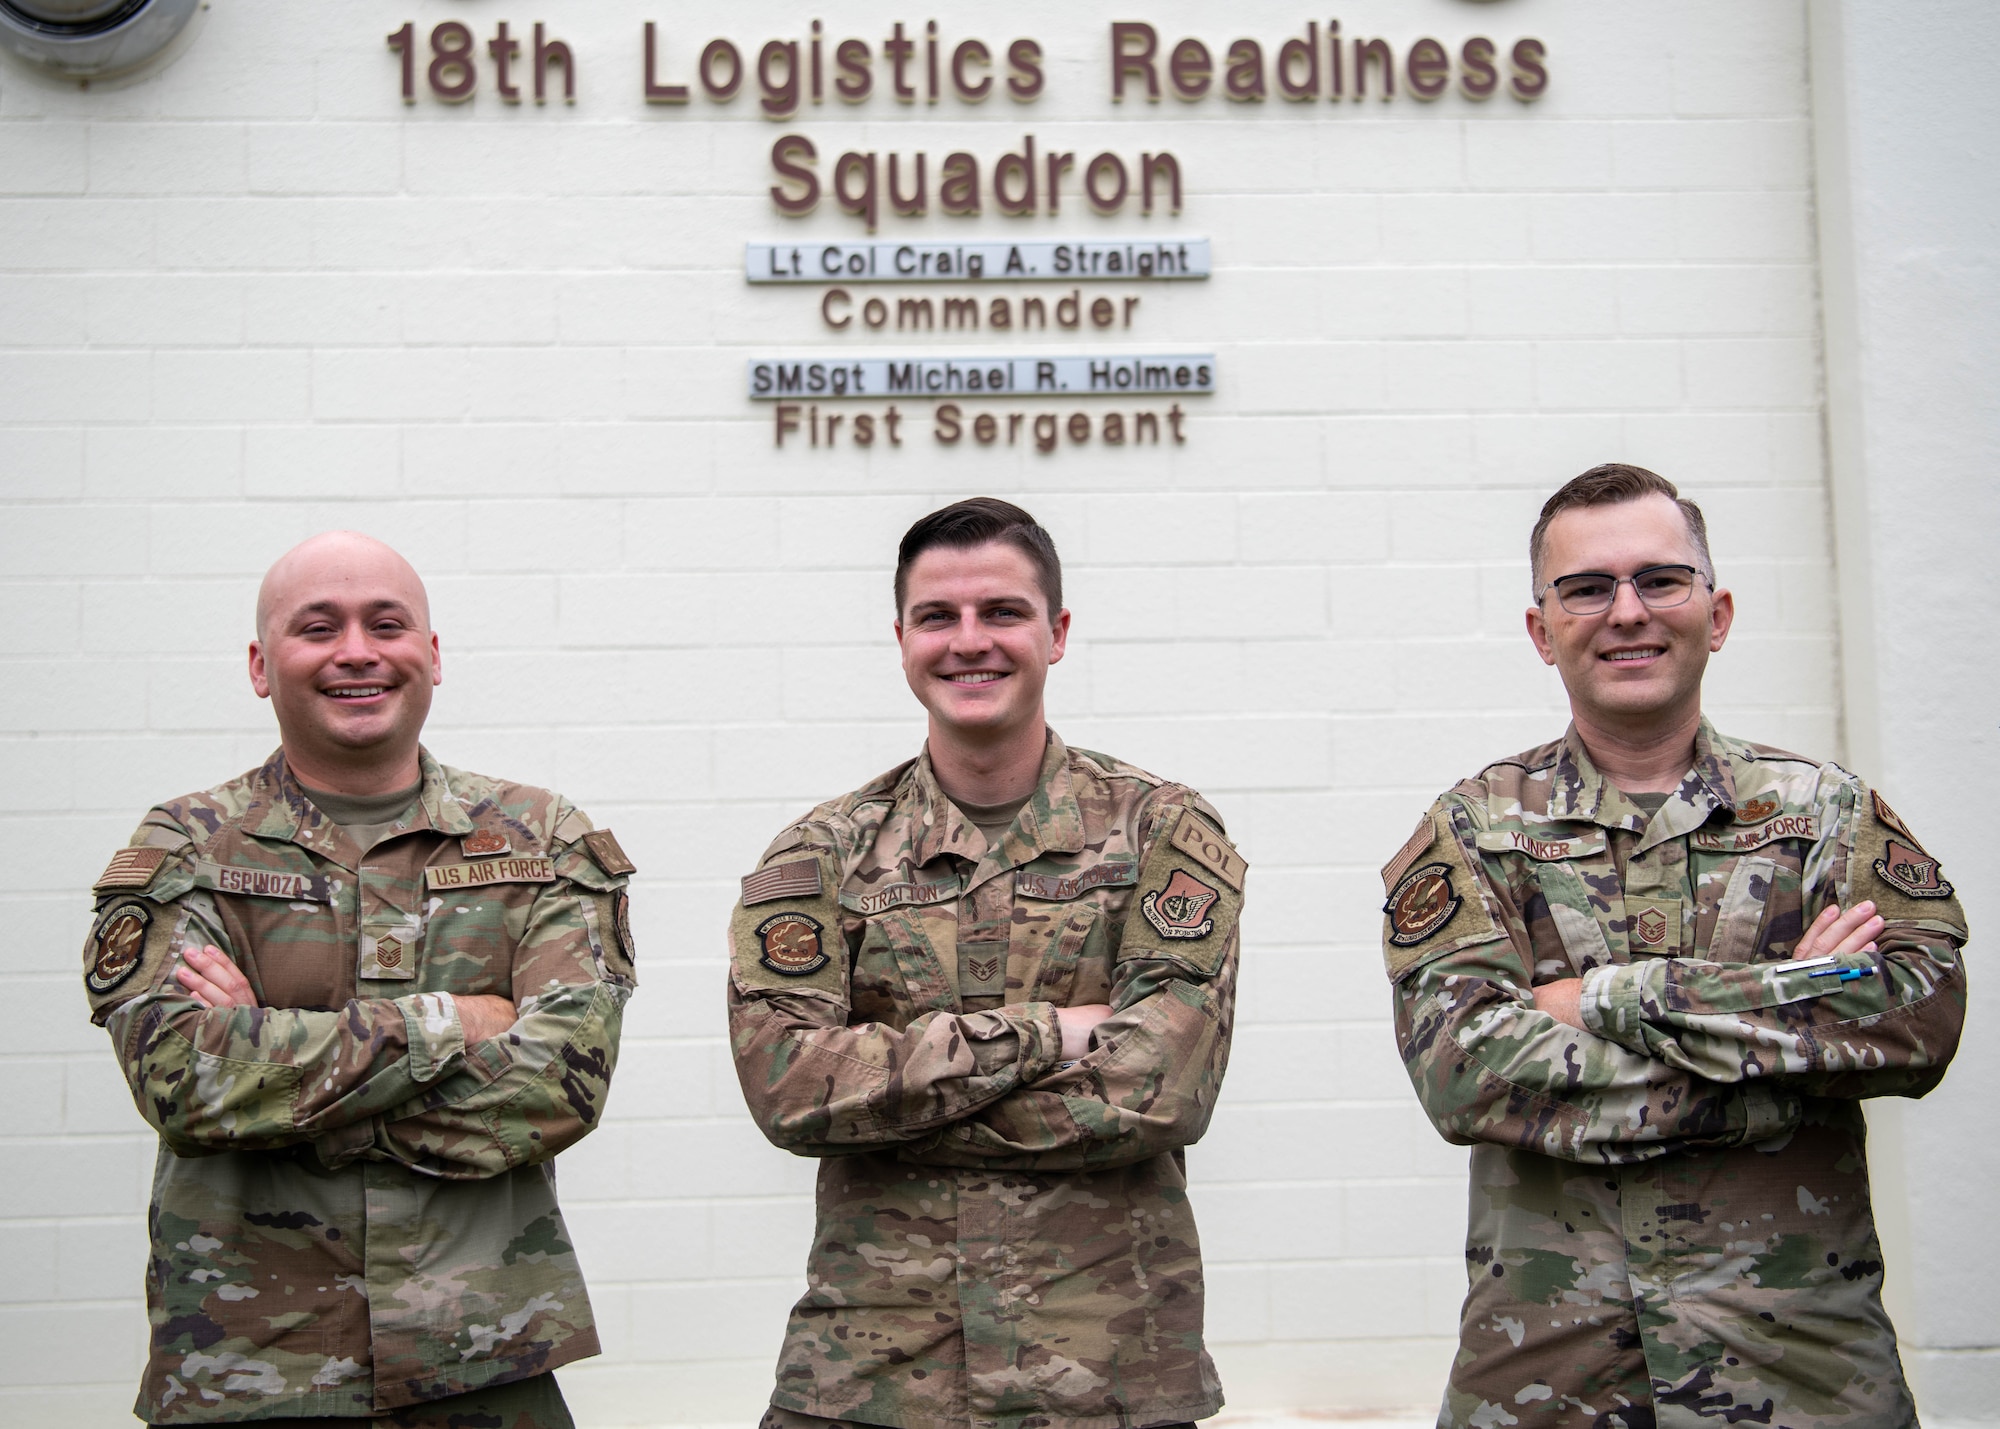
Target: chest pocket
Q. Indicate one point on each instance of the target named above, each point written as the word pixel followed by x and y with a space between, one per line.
pixel 1760 914
pixel 1069 963
pixel 901 967
pixel 1584 934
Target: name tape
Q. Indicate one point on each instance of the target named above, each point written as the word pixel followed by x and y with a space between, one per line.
pixel 774 379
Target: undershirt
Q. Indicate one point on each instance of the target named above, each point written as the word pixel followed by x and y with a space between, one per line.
pixel 365 817
pixel 1651 803
pixel 992 820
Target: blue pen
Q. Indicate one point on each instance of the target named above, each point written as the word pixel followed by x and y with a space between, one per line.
pixel 1844 974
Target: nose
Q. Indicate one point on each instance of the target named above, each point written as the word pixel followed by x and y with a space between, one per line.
pixel 1626 607
pixel 354 646
pixel 969 636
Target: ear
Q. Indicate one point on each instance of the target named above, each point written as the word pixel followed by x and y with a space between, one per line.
pixel 1061 641
pixel 1538 631
pixel 1721 616
pixel 898 628
pixel 437 661
pixel 259 680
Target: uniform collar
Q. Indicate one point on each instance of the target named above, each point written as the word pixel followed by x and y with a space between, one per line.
pixel 289 816
pixel 1580 791
pixel 1050 822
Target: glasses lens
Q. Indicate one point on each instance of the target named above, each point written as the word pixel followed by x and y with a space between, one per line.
pixel 1586 594
pixel 1664 586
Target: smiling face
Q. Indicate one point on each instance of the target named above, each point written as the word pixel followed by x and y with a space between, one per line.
pixel 977 641
pixel 345 654
pixel 1631 670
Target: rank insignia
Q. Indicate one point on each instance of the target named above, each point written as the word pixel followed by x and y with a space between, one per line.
pixel 1422 904
pixel 1650 927
pixel 1912 870
pixel 791 944
pixel 120 939
pixel 484 844
pixel 1180 910
pixel 389 952
pixel 1756 811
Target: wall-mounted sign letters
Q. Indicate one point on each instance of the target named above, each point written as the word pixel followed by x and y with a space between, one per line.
pixel 986 375
pixel 890 261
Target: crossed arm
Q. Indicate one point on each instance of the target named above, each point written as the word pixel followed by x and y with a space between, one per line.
pixel 212 979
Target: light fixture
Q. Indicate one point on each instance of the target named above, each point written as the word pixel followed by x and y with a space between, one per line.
pixel 84 39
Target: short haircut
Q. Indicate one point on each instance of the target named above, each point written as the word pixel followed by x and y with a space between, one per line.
pixel 1607 485
pixel 974 522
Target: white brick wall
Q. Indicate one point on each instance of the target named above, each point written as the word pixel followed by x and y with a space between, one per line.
pixel 254 296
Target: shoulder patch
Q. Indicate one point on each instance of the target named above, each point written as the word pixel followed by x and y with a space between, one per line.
pixel 1193 836
pixel 603 846
pixel 1413 848
pixel 1190 897
pixel 118 946
pixel 130 868
pixel 1889 866
pixel 799 878
pixel 785 933
pixel 1437 905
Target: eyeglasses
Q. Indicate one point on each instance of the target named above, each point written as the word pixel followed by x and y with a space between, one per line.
pixel 1594 592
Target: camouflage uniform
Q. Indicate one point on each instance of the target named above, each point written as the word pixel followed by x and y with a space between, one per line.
pixel 1004 1238
pixel 1670 1215
pixel 353 1210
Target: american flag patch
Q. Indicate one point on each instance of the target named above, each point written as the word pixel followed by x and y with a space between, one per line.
pixel 130 868
pixel 782 880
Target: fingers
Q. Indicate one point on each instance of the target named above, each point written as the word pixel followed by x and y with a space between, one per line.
pixel 213 979
pixel 1842 933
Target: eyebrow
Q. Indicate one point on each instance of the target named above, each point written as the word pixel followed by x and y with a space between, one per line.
pixel 922 607
pixel 374 607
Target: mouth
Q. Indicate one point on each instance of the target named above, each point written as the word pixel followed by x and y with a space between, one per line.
pixel 354 694
pixel 1636 655
pixel 975 678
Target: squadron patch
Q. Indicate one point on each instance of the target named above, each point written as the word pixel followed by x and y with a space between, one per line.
pixel 120 940
pixel 1905 866
pixel 130 868
pixel 791 944
pixel 1180 910
pixel 484 844
pixel 1422 904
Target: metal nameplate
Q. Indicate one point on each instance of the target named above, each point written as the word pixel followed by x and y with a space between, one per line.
pixel 1060 260
pixel 773 379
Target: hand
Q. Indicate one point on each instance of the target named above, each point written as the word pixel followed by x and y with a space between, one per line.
pixel 1077 1023
pixel 212 979
pixel 1562 1000
pixel 483 1015
pixel 1840 935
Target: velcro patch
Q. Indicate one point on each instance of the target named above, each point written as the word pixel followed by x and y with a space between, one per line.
pixel 1438 906
pixel 491 870
pixel 1891 820
pixel 1193 837
pixel 603 846
pixel 1118 873
pixel 1413 848
pixel 791 944
pixel 798 879
pixel 485 844
pixel 1188 910
pixel 130 868
pixel 1541 850
pixel 1785 826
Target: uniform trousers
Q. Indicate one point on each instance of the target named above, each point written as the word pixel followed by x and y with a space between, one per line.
pixel 533 1403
